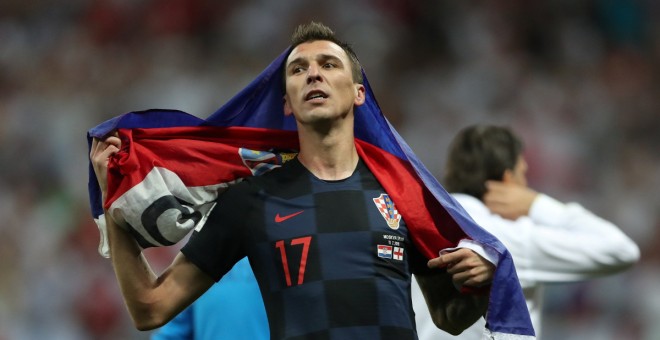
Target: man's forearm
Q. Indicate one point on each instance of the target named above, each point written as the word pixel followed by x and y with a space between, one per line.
pixel 451 310
pixel 134 275
pixel 462 310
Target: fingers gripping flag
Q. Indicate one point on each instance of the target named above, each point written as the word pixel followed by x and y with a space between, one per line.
pixel 172 166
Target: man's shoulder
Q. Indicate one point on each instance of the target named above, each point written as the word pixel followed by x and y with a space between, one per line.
pixel 474 207
pixel 286 172
pixel 277 181
pixel 469 202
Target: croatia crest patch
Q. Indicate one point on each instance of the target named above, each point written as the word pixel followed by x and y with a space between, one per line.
pixel 388 210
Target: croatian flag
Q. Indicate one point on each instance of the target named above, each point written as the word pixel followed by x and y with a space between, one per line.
pixel 172 165
pixel 385 251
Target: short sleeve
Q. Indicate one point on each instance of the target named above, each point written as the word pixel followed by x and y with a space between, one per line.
pixel 220 242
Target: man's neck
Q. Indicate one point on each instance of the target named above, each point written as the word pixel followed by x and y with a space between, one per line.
pixel 329 157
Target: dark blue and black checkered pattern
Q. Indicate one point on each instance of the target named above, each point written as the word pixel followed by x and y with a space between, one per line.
pixel 313 246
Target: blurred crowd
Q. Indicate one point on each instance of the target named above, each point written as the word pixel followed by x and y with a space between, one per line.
pixel 577 79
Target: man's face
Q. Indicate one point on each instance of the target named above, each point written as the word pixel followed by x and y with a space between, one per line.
pixel 319 83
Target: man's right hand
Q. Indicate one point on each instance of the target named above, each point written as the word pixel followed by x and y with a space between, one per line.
pixel 99 155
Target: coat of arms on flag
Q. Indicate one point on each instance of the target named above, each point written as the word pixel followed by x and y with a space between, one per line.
pixel 386 207
pixel 260 162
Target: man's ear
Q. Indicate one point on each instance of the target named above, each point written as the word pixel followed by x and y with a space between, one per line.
pixel 287 108
pixel 360 95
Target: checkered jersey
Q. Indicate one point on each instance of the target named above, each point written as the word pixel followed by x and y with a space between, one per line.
pixel 333 258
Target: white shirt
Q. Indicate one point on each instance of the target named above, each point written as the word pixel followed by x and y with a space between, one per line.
pixel 556 242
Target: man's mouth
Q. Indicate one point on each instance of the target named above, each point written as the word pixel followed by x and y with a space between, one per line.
pixel 316 94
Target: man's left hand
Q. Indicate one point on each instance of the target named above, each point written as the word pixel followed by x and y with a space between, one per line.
pixel 466 267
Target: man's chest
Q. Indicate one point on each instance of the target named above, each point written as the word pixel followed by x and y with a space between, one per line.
pixel 330 235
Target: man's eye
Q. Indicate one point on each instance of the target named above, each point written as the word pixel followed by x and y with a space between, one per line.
pixel 297 69
pixel 329 65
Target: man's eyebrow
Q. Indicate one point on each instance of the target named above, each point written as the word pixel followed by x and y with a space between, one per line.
pixel 296 61
pixel 328 57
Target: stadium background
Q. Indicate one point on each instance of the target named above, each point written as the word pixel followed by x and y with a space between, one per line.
pixel 578 79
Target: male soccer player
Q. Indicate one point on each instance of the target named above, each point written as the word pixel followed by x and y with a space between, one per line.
pixel 329 264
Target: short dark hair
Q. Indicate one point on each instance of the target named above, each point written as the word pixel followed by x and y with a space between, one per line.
pixel 314 31
pixel 477 154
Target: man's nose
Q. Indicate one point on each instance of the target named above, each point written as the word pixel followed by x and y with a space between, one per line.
pixel 313 74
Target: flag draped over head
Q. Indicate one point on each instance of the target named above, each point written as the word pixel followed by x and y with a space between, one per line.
pixel 172 165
